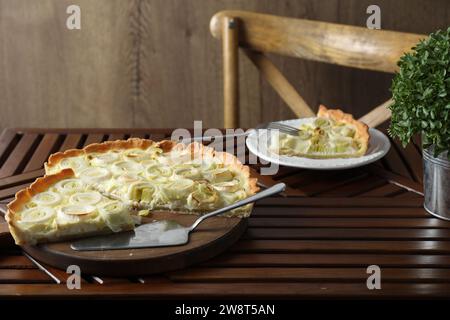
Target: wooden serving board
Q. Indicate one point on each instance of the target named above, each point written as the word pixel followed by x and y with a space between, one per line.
pixel 209 239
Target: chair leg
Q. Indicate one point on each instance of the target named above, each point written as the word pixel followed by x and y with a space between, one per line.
pixel 230 46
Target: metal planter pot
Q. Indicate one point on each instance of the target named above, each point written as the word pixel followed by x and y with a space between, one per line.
pixel 436 184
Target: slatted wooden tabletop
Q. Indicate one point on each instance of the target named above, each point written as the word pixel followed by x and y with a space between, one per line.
pixel 315 241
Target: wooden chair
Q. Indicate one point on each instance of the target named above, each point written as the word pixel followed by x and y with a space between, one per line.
pixel 339 44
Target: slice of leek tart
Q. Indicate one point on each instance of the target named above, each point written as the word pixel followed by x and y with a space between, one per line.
pixel 62 206
pixel 332 134
pixel 95 189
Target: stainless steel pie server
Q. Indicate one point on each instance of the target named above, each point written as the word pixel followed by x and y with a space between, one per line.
pixel 162 233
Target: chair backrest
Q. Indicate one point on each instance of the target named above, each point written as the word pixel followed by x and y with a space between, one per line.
pixel 339 44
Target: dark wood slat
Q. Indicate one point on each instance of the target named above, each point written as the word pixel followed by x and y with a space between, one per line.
pixel 61 274
pixel 20 178
pixel 358 202
pixel 232 290
pixel 427 223
pixel 347 234
pixel 17 156
pixel 94 138
pixel 331 246
pixel 329 260
pixel 266 211
pixel 382 191
pixel 397 180
pixel 158 136
pixel 16 262
pixel 141 135
pixel 10 192
pixel 24 276
pixel 353 188
pixel 267 182
pixel 395 162
pixel 6 138
pixel 5 201
pixel 156 279
pixel 108 280
pixel 19 262
pixel 332 181
pixel 413 161
pixel 70 142
pixel 284 172
pixel 42 152
pixel 163 131
pixel 406 195
pixel 6 240
pixel 417 141
pixel 299 178
pixel 115 136
pixel 417 275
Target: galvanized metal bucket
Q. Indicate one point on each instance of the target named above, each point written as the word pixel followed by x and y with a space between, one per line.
pixel 436 184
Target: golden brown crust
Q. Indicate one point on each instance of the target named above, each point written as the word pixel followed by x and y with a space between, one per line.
pixel 198 149
pixel 39 185
pixel 167 145
pixel 362 130
pixel 131 143
pixel 195 148
pixel 57 157
pixel 23 196
pixel 230 160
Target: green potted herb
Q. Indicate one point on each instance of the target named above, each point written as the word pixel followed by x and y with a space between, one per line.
pixel 421 94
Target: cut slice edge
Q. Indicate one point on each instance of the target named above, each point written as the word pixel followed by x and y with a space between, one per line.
pixel 362 129
pixel 25 195
pixel 361 136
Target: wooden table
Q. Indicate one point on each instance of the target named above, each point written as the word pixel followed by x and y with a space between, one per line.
pixel 316 241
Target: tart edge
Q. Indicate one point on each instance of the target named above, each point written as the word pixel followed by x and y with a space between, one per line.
pixel 24 195
pixel 362 129
pixel 165 145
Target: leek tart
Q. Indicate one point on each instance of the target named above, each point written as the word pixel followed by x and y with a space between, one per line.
pixel 131 178
pixel 62 206
pixel 332 134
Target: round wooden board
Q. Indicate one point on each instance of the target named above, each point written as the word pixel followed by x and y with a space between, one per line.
pixel 210 238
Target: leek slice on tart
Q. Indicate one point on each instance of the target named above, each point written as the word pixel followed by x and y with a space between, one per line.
pixel 332 134
pixel 61 206
pixel 108 186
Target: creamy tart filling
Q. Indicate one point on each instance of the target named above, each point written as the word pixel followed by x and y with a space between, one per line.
pixel 99 188
pixel 162 180
pixel 333 134
pixel 62 205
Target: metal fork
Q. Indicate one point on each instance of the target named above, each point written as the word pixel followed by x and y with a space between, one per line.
pixel 284 128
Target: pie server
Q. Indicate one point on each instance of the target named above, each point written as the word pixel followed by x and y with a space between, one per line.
pixel 162 233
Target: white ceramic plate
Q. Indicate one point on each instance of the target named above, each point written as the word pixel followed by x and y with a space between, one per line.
pixel 258 143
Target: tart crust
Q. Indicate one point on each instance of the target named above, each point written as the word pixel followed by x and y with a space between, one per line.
pixel 24 196
pixel 195 149
pixel 362 130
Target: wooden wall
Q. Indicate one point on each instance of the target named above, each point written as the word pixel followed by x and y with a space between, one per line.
pixel 153 63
